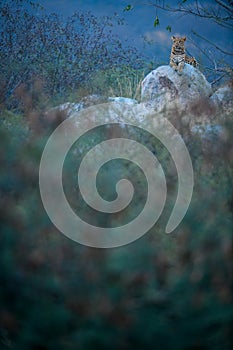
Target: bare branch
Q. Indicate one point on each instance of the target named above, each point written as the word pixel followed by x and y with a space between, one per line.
pixel 218 79
pixel 212 44
pixel 215 13
pixel 195 10
pixel 223 4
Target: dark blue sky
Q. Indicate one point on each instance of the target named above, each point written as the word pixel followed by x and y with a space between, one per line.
pixel 139 24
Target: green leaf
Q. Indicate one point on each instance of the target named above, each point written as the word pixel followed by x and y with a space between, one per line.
pixel 128 8
pixel 156 21
pixel 169 29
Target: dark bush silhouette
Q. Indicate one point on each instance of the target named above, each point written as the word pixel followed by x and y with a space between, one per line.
pixel 60 54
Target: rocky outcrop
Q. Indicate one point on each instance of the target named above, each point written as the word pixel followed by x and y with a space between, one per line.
pixel 187 100
pixel 163 88
pixel 66 110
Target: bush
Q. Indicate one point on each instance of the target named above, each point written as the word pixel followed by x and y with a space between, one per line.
pixel 60 54
pixel 162 291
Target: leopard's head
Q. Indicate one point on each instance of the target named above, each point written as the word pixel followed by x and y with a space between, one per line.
pixel 178 41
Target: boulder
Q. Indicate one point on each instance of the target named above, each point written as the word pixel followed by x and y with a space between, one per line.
pixel 67 109
pixel 120 99
pixel 164 88
pixel 186 100
pixel 223 99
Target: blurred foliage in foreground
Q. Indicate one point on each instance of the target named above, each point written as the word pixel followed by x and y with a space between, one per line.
pixel 160 292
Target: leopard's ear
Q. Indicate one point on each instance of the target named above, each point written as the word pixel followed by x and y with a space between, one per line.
pixel 184 38
pixel 173 37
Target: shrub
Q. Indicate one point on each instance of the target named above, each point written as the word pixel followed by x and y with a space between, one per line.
pixel 62 54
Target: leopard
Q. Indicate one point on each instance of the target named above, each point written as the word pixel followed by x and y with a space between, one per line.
pixel 191 60
pixel 178 56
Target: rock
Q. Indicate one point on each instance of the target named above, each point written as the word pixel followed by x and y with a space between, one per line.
pixel 119 112
pixel 92 100
pixel 164 89
pixel 223 98
pixel 127 100
pixel 186 100
pixel 66 110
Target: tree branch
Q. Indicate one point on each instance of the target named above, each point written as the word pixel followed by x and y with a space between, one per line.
pixel 217 47
pixel 223 4
pixel 195 10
